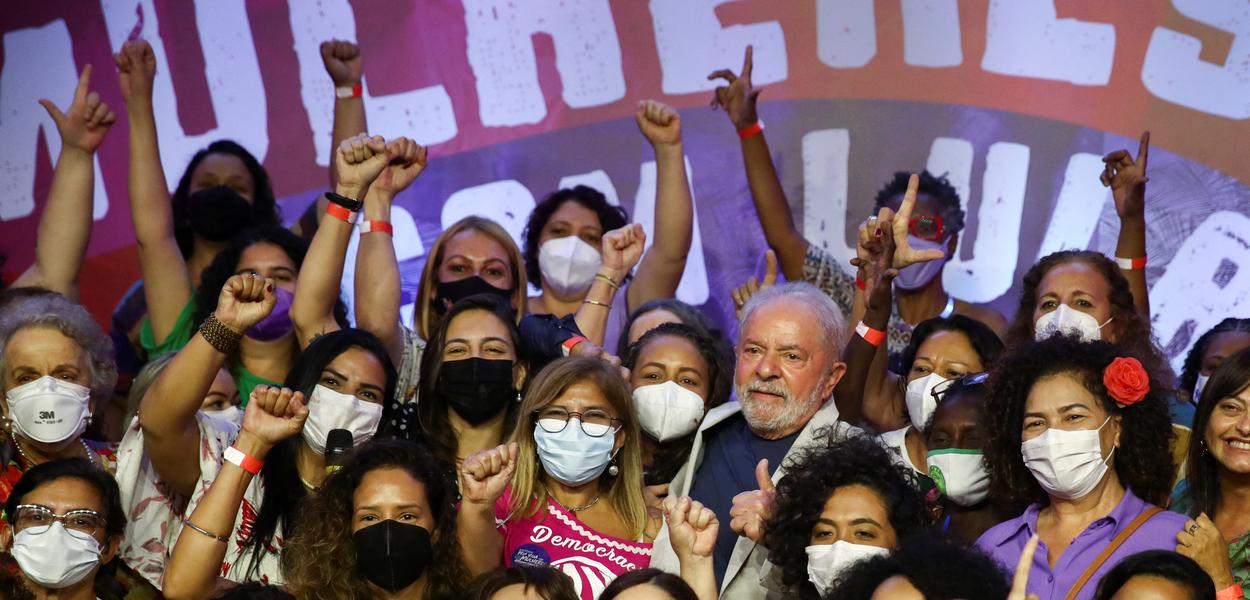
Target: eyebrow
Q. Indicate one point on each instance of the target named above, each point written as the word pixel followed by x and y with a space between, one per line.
pixel 1062 409
pixel 374 507
pixel 484 340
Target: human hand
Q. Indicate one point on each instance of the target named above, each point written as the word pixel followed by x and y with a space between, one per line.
pixel 653 497
pixel 1127 179
pixel 358 162
pixel 136 69
pixel 1202 541
pixel 590 349
pixel 622 248
pixel 751 510
pixel 408 159
pixel 485 475
pixel 342 62
pixel 876 259
pixel 738 98
pixel 244 301
pixel 1020 583
pixel 904 254
pixel 744 292
pixel 659 123
pixel 692 527
pixel 274 414
pixel 86 122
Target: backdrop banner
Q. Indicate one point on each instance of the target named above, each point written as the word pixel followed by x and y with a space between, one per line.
pixel 1014 100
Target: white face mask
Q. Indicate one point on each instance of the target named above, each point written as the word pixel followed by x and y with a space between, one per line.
pixel 49 410
pixel 667 411
pixel 55 558
pixel 1067 464
pixel 920 400
pixel 232 414
pixel 918 275
pixel 826 563
pixel 1068 321
pixel 568 265
pixel 1198 385
pixel 960 475
pixel 329 410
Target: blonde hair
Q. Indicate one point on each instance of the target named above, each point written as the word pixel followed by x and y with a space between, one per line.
pixel 624 491
pixel 426 316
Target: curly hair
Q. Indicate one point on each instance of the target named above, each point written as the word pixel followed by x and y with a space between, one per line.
pixel 264 207
pixel 1193 360
pixel 610 217
pixel 670 456
pixel 812 476
pixel 928 562
pixel 1145 427
pixel 319 560
pixel 937 187
pixel 1203 479
pixel 54 311
pixel 984 341
pixel 1133 331
pixel 1163 564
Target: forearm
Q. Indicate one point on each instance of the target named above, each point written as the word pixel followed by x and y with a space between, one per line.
pixel 772 207
pixel 480 542
pixel 65 226
pixel 349 120
pixel 196 560
pixel 317 290
pixel 661 268
pixel 1132 244
pixel 699 574
pixel 852 391
pixel 378 285
pixel 592 316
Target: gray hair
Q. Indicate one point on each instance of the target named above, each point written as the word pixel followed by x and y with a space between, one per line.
pixel 832 323
pixel 55 311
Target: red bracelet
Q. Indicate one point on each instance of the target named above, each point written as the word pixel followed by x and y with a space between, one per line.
pixel 340 213
pixel 859 281
pixel 1232 592
pixel 1130 264
pixel 571 342
pixel 377 226
pixel 870 335
pixel 751 130
pixel 354 91
pixel 236 457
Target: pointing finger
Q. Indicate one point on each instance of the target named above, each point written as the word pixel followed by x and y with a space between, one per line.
pixel 747 63
pixel 84 80
pixel 1143 150
pixel 770 268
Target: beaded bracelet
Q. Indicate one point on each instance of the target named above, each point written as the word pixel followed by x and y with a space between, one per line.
pixel 224 339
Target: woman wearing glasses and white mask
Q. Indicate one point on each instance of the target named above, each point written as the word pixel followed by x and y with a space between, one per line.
pixel 572 473
pixel 63 521
pixel 1078 433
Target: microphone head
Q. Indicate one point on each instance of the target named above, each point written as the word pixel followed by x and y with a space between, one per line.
pixel 338 444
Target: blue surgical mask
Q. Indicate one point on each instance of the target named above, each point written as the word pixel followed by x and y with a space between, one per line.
pixel 572 457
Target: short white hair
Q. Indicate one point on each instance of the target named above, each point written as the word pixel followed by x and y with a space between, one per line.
pixel 55 311
pixel 832 322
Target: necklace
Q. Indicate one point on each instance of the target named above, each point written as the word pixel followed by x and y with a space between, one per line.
pixel 30 462
pixel 573 509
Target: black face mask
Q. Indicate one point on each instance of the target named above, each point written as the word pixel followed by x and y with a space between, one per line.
pixel 476 388
pixel 451 292
pixel 392 555
pixel 218 213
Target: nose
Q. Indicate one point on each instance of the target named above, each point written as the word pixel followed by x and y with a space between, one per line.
pixel 767 367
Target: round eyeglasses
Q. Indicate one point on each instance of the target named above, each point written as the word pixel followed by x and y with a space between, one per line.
pixel 38 519
pixel 594 422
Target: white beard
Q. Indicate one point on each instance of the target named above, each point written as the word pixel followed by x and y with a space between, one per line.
pixel 768 418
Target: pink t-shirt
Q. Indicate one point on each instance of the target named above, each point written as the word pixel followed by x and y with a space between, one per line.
pixel 555 537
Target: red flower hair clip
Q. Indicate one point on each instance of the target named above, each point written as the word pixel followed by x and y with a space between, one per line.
pixel 1126 380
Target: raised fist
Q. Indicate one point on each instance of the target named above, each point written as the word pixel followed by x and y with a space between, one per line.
pixel 659 123
pixel 342 62
pixel 274 414
pixel 485 475
pixel 88 119
pixel 622 248
pixel 358 162
pixel 244 301
pixel 407 159
pixel 692 527
pixel 136 68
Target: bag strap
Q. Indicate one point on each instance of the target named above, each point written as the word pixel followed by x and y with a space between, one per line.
pixel 1106 553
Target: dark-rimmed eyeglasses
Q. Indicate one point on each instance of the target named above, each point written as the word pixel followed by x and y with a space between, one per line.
pixel 969 380
pixel 594 422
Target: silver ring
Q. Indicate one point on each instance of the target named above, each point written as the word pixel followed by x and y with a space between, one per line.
pixel 1193 528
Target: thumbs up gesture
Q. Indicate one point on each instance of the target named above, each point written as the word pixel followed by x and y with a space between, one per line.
pixel 751 510
pixel 744 292
pixel 83 126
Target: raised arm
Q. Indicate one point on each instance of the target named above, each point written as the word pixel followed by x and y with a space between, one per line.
pixel 342 63
pixel 661 267
pixel 738 99
pixel 171 437
pixel 621 250
pixel 692 530
pixel 864 393
pixel 65 226
pixel 166 280
pixel 377 290
pixel 1127 179
pixel 273 414
pixel 359 160
pixel 483 478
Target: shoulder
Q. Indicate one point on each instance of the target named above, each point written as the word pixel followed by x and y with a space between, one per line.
pixel 1000 540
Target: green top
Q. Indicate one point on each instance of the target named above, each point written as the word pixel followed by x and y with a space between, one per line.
pixel 180 335
pixel 1238 549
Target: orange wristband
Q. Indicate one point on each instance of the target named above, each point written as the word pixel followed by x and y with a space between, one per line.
pixel 1131 264
pixel 377 226
pixel 751 130
pixel 354 91
pixel 236 457
pixel 870 335
pixel 340 213
pixel 1232 592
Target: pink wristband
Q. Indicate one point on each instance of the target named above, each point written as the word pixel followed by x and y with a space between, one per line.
pixel 751 130
pixel 1232 592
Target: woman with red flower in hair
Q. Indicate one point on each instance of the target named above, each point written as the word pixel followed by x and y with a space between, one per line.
pixel 1079 436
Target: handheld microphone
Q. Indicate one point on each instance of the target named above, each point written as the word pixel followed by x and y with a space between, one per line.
pixel 338 444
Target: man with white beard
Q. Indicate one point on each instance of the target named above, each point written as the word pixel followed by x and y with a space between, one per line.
pixel 789 341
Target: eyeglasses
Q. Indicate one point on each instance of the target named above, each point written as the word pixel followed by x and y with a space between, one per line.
pixel 38 519
pixel 594 422
pixel 926 227
pixel 939 390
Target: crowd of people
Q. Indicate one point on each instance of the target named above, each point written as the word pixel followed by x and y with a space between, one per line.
pixel 864 435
